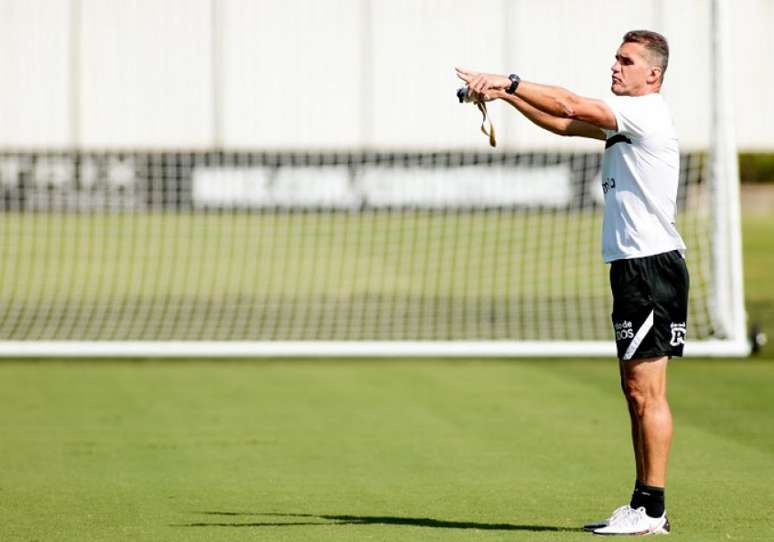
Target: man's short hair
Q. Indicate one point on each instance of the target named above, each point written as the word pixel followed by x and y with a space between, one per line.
pixel 655 43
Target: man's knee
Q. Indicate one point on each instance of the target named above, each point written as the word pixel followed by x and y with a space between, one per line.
pixel 644 386
pixel 638 396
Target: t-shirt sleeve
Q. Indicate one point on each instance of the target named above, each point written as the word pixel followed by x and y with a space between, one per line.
pixel 634 115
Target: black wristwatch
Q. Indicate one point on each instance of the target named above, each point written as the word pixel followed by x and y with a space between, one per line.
pixel 515 80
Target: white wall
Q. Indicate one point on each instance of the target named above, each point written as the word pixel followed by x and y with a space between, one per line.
pixel 339 74
pixel 292 72
pixel 35 87
pixel 753 54
pixel 146 78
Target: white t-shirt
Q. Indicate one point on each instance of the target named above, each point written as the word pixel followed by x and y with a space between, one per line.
pixel 640 171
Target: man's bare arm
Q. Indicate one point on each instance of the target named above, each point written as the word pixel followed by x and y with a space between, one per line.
pixel 557 125
pixel 565 104
pixel 555 101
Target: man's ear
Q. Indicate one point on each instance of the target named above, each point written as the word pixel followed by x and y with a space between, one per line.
pixel 654 75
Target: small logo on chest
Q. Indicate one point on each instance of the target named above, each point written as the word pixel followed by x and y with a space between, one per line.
pixel 609 184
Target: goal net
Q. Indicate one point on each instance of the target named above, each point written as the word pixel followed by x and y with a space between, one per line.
pixel 386 249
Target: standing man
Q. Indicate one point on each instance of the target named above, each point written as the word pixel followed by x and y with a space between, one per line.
pixel 648 275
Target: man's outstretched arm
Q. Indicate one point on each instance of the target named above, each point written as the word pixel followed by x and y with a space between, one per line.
pixel 555 101
pixel 558 125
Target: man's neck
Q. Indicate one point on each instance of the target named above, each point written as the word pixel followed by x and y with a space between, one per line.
pixel 644 91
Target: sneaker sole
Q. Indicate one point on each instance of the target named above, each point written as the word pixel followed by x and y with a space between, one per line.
pixel 665 529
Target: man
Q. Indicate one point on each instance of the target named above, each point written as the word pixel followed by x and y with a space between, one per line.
pixel 648 276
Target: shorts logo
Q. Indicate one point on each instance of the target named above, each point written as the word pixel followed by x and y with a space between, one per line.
pixel 678 333
pixel 623 330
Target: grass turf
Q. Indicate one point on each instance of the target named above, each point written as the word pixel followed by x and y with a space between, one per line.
pixel 368 450
pixel 375 275
pixel 376 450
pixel 758 241
pixel 372 275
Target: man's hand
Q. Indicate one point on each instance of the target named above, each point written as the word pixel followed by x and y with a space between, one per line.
pixel 474 96
pixel 484 84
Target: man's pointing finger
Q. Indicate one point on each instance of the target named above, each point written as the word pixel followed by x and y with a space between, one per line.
pixel 465 75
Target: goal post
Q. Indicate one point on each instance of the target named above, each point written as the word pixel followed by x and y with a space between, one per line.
pixel 349 254
pixel 385 244
pixel 728 280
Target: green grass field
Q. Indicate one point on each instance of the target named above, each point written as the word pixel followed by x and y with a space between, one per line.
pixel 758 243
pixel 375 275
pixel 407 450
pixel 368 450
pixel 371 275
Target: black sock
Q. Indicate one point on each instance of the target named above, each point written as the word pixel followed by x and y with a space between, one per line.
pixel 649 497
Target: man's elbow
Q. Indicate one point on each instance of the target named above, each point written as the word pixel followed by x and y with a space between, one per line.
pixel 568 106
pixel 562 127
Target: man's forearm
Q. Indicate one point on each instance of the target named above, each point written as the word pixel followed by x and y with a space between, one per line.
pixel 552 123
pixel 544 120
pixel 555 101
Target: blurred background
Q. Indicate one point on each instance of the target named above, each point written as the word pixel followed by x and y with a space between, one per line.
pixel 341 74
pixel 301 170
pixel 211 178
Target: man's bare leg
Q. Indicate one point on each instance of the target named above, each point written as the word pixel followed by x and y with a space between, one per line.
pixel 643 382
pixel 636 434
pixel 645 386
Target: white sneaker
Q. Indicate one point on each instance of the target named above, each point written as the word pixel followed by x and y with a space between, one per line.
pixel 605 522
pixel 635 521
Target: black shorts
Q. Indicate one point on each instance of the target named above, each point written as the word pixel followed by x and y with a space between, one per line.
pixel 650 305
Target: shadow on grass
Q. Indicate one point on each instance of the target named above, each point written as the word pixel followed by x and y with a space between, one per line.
pixel 331 519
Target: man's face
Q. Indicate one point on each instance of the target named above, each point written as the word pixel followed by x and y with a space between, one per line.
pixel 633 72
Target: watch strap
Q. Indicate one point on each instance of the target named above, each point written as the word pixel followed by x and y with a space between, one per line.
pixel 515 80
